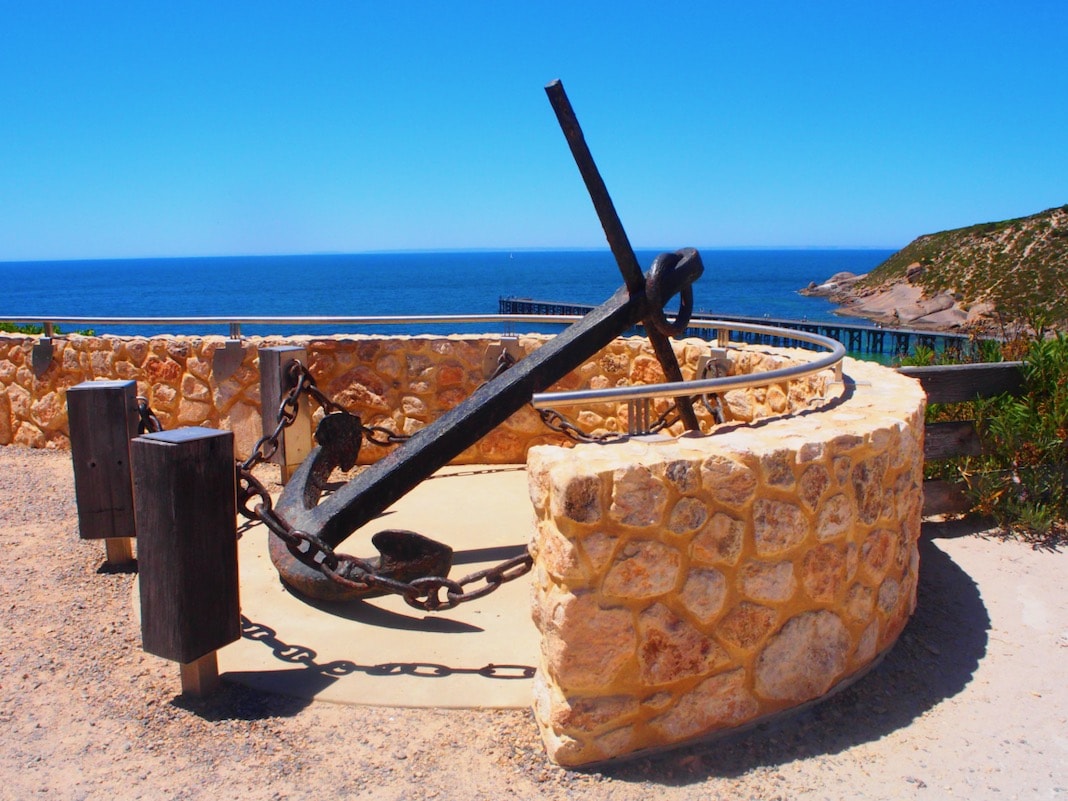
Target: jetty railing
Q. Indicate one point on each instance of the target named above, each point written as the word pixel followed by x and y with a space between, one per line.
pixel 857 337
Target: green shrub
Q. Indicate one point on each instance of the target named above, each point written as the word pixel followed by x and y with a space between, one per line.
pixel 36 329
pixel 1020 479
pixel 21 328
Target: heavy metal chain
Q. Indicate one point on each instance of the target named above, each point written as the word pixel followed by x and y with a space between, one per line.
pixel 303 383
pixel 377 435
pixel 561 425
pixel 349 571
pixel 360 575
pixel 250 487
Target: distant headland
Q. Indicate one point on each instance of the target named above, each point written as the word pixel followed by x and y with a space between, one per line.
pixel 984 278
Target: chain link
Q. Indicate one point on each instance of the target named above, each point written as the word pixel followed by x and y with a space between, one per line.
pixel 267 445
pixel 358 574
pixel 350 571
pixel 667 419
pixel 378 435
pixel 148 423
pixel 504 361
pixel 561 425
pixel 425 592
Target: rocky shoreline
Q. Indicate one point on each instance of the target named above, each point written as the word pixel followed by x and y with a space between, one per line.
pixel 901 303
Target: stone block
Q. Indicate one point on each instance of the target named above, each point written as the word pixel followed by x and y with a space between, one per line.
pixel 750 571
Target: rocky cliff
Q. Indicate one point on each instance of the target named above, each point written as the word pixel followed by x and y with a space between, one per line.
pixel 983 276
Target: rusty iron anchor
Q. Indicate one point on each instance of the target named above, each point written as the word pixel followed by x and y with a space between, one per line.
pixel 331 519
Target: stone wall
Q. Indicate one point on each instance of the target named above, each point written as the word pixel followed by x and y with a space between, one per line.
pixel 688 586
pixel 684 585
pixel 401 383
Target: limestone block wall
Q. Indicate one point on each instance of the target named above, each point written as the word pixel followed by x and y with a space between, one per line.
pixel 688 586
pixel 401 383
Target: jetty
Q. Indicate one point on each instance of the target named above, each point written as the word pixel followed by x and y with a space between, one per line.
pixel 869 338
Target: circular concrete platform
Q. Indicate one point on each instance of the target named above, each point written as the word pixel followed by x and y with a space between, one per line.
pixel 382 651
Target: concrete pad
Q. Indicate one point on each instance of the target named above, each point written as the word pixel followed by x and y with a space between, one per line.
pixel 381 651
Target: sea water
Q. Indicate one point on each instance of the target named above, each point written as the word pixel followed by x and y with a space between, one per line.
pixel 753 282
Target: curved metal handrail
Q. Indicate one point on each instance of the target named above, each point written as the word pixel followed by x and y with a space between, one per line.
pixel 703 386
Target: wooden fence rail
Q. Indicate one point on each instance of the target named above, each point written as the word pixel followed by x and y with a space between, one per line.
pixel 954 384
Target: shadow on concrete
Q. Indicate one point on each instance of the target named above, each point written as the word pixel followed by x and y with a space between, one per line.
pixel 371 615
pixel 252 694
pixel 933 660
pixel 498 553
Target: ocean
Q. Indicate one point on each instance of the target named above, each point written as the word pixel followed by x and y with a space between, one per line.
pixel 754 282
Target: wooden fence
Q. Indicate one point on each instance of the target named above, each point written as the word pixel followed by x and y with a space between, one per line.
pixel 955 384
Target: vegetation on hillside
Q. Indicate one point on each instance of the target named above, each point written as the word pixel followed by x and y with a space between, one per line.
pixel 1018 266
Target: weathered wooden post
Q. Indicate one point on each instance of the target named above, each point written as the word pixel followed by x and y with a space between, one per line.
pixel 103 419
pixel 295 443
pixel 185 486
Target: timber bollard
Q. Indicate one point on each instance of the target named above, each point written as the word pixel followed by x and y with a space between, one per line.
pixel 295 442
pixel 103 419
pixel 185 490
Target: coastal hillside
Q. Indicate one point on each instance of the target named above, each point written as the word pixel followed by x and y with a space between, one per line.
pixel 983 276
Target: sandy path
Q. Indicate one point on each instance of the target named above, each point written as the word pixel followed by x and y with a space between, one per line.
pixel 971 703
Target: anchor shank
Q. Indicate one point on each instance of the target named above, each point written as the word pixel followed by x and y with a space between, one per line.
pixel 384 482
pixel 617 237
pixel 665 354
pixel 591 176
pixel 357 502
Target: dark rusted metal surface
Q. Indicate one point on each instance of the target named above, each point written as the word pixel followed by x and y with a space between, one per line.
pixel 324 522
pixel 405 556
pixel 618 241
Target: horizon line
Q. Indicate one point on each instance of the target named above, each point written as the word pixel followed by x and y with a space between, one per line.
pixel 401 251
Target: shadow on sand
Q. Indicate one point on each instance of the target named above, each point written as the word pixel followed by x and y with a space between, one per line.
pixel 934 659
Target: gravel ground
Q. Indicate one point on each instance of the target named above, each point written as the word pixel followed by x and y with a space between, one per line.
pixel 970 703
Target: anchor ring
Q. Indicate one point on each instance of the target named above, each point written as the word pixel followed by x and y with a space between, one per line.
pixel 687 262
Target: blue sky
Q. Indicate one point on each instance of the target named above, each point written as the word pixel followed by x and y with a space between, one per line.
pixel 171 129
